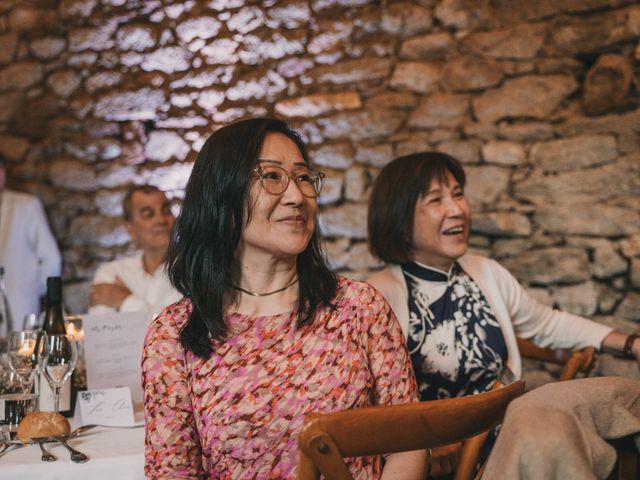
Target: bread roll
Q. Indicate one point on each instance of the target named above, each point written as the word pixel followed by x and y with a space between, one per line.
pixel 42 424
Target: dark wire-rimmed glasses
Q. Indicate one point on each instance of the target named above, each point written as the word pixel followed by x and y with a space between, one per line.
pixel 275 180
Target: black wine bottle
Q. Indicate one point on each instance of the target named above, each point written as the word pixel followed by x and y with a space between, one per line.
pixel 54 325
pixel 54 318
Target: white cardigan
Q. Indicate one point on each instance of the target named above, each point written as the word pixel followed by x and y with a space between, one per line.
pixel 516 312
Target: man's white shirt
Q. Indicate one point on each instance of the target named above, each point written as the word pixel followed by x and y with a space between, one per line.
pixel 149 292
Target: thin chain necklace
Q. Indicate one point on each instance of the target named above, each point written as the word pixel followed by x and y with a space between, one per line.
pixel 257 294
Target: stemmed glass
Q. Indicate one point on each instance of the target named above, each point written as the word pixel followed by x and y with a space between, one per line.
pixel 31 322
pixel 17 399
pixel 22 356
pixel 57 359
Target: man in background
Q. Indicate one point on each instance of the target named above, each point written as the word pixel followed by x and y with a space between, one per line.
pixel 139 282
pixel 28 251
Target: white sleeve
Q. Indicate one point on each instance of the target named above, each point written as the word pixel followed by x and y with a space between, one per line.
pixel 130 304
pixel 107 273
pixel 545 326
pixel 43 244
pixel 134 304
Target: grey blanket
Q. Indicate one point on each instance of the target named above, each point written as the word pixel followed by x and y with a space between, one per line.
pixel 559 431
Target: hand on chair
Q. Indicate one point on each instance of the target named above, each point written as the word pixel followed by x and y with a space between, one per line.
pixel 444 460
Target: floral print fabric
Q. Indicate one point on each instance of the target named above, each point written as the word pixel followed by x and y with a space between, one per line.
pixel 455 341
pixel 237 415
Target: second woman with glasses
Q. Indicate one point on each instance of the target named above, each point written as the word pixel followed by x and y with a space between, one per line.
pixel 266 332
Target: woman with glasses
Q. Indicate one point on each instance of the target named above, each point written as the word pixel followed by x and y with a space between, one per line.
pixel 266 332
pixel 460 312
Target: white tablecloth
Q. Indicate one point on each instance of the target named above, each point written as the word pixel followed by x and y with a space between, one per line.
pixel 115 454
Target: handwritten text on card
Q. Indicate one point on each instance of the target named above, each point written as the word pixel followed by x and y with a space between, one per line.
pixel 110 407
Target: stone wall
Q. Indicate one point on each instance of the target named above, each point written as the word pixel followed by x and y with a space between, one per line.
pixel 539 100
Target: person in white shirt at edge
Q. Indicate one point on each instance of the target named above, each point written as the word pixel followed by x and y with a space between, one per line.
pixel 459 312
pixel 28 251
pixel 139 282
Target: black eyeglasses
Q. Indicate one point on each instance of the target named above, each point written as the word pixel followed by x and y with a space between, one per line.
pixel 275 180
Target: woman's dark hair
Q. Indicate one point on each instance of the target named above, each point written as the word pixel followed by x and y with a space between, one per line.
pixel 393 198
pixel 202 261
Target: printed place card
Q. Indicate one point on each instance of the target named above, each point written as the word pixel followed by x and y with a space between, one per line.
pixel 113 350
pixel 111 407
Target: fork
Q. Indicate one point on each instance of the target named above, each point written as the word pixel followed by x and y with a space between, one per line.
pixel 7 447
pixel 76 456
pixel 46 456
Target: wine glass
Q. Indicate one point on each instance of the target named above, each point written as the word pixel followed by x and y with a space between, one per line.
pixel 31 322
pixel 21 368
pixel 22 356
pixel 57 359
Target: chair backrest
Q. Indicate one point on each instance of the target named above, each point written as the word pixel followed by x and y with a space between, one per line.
pixel 326 438
pixel 573 362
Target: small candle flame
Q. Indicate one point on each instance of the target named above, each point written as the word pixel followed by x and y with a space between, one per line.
pixel 76 333
pixel 26 349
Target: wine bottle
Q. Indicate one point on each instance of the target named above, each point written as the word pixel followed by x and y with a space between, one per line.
pixel 54 325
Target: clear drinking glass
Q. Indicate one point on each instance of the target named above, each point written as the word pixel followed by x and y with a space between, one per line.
pixel 15 406
pixel 22 356
pixel 31 322
pixel 74 327
pixel 16 400
pixel 57 359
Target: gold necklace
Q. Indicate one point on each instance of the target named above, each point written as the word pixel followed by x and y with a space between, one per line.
pixel 257 294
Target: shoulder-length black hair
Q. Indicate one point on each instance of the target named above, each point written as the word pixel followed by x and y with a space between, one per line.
pixel 202 261
pixel 393 199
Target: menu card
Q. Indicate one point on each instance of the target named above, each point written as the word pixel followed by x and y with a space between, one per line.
pixel 113 350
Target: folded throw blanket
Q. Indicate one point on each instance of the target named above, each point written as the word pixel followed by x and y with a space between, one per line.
pixel 559 431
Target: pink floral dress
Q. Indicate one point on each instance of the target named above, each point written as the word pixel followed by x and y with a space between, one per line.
pixel 237 415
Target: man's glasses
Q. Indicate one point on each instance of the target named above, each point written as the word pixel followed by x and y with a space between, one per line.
pixel 275 180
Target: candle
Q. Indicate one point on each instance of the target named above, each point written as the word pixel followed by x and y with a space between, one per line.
pixel 26 349
pixel 76 333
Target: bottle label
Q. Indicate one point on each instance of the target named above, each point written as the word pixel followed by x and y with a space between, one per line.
pixel 46 401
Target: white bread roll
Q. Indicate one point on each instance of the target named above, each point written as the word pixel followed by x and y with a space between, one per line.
pixel 42 424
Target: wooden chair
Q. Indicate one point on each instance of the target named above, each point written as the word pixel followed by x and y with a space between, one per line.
pixel 326 438
pixel 580 361
pixel 573 362
pixel 627 465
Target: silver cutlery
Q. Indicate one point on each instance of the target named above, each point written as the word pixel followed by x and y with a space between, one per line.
pixel 84 428
pixel 7 447
pixel 76 456
pixel 80 430
pixel 46 456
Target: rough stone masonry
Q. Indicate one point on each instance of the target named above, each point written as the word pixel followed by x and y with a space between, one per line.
pixel 538 99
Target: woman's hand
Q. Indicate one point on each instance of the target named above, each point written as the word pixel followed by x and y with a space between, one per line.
pixel 444 460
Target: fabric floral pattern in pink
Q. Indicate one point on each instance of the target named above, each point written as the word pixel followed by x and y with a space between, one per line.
pixel 237 415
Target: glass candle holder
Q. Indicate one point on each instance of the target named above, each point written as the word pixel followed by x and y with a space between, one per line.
pixel 74 328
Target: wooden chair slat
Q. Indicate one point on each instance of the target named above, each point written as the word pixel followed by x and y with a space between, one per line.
pixel 397 428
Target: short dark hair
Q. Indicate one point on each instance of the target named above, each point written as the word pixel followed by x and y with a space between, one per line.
pixel 3 160
pixel 127 212
pixel 393 198
pixel 202 260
